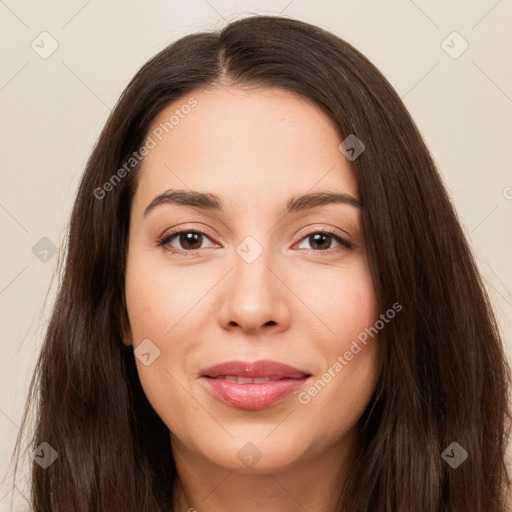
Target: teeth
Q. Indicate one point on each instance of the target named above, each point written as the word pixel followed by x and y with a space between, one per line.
pixel 245 380
pixel 262 379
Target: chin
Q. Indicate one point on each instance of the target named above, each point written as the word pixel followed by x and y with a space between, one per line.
pixel 256 454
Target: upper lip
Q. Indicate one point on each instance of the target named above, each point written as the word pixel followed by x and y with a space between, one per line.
pixel 263 368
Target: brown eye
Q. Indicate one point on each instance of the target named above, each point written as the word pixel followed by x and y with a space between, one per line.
pixel 188 241
pixel 321 241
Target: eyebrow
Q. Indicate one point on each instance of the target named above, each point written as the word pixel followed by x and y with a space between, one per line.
pixel 211 202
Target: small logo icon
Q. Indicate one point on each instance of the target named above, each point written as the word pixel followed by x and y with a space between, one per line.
pixel 44 45
pixel 146 352
pixel 44 455
pixel 249 249
pixel 454 455
pixel 351 147
pixel 44 250
pixel 454 45
pixel 249 454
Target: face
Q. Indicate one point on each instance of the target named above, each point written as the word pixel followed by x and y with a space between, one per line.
pixel 244 280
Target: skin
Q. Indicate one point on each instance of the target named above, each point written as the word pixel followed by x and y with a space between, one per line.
pixel 298 303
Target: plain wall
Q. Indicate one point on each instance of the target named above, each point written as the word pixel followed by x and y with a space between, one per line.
pixel 54 108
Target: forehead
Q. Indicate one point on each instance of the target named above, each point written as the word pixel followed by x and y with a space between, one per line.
pixel 258 144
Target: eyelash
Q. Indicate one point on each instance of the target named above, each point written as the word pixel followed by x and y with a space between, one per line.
pixel 163 241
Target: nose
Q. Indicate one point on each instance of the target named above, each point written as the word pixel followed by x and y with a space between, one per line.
pixel 254 296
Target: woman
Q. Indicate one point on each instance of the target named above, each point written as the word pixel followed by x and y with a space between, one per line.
pixel 325 341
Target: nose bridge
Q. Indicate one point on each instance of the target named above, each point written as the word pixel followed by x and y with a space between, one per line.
pixel 252 277
pixel 253 296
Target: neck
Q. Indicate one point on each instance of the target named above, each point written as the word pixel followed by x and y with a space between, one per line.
pixel 312 483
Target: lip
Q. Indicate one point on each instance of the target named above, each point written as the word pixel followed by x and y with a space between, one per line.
pixel 285 380
pixel 262 368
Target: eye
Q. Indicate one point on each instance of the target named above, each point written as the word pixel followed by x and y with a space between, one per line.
pixel 320 241
pixel 190 241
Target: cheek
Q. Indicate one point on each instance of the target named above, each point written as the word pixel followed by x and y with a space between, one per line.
pixel 159 299
pixel 158 302
pixel 167 306
pixel 341 300
pixel 346 307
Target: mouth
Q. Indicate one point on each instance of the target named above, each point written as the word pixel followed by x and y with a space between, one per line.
pixel 252 385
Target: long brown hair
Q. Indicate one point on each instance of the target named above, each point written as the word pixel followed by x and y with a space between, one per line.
pixel 445 377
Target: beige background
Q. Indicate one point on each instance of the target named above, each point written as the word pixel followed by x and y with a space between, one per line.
pixel 54 108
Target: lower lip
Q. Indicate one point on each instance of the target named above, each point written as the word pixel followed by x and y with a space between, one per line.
pixel 252 396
